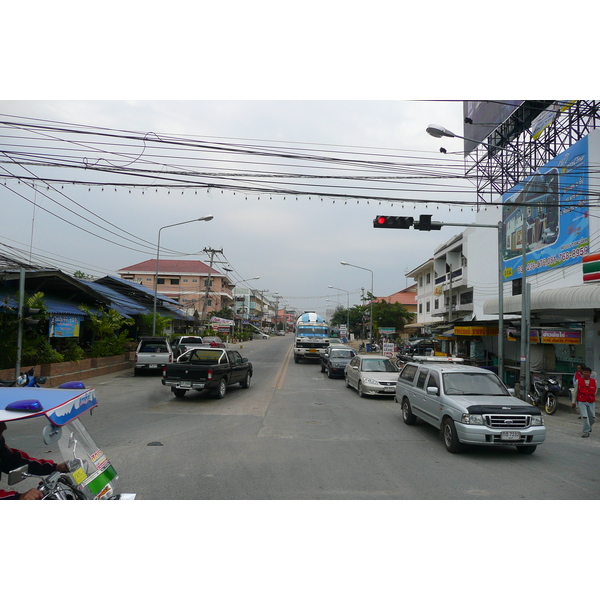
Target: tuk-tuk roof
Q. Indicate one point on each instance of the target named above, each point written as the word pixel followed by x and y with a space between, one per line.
pixel 59 406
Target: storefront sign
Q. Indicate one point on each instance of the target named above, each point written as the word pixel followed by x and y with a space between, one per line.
pixel 63 326
pixel 549 336
pixel 473 330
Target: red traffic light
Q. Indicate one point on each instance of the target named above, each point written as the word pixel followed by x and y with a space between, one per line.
pixel 391 222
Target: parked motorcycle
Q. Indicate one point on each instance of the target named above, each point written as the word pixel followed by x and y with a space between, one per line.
pixel 28 379
pixel 544 393
pixel 91 475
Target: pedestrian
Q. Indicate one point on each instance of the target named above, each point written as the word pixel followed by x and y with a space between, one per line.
pixel 585 395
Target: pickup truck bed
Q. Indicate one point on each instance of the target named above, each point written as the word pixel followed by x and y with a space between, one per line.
pixel 207 369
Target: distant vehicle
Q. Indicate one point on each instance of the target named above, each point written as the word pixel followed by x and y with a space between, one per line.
pixel 280 332
pixel 207 369
pixel 152 354
pixel 184 343
pixel 469 405
pixel 335 359
pixel 214 341
pixel 312 337
pixel 371 375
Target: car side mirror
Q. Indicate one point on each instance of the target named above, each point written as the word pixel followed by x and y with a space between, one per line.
pixel 244 360
pixel 432 391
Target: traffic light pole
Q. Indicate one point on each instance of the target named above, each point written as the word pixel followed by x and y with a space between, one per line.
pixel 426 224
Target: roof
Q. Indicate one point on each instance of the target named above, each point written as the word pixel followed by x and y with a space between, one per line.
pixel 170 266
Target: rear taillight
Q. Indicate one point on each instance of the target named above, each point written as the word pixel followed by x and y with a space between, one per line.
pixel 210 374
pixel 164 371
pixel 136 357
pixel 170 358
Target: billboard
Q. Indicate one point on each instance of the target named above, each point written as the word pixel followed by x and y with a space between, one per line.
pixel 486 115
pixel 554 204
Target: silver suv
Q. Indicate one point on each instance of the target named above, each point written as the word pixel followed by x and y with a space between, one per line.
pixel 468 405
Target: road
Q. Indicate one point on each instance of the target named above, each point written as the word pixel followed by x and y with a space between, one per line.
pixel 295 434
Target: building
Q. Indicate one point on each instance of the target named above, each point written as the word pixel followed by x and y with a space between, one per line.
pixel 200 289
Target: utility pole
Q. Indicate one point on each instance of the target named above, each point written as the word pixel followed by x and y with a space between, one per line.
pixel 212 253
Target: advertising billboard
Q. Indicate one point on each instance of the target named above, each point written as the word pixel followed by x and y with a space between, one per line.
pixel 486 115
pixel 554 204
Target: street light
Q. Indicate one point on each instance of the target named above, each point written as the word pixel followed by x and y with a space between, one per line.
pixel 348 312
pixel 347 264
pixel 438 131
pixel 206 218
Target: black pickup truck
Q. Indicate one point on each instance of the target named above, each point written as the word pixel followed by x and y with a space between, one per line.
pixel 207 369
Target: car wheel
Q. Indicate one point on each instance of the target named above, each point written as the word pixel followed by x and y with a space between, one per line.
pixel 360 390
pixel 222 389
pixel 246 383
pixel 329 375
pixel 407 415
pixel 450 436
pixel 526 449
pixel 322 368
pixel 178 393
pixel 296 359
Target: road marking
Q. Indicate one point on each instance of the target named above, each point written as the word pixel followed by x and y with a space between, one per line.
pixel 281 373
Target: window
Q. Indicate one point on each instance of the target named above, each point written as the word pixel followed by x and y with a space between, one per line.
pixel 174 281
pixel 194 281
pixel 420 307
pixel 422 377
pixel 421 281
pixel 408 373
pixel 185 281
pixel 148 278
pixel 434 381
pixel 436 303
pixel 428 306
pixel 160 281
pixel 428 278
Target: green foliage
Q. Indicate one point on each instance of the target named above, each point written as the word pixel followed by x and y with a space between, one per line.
pixel 146 322
pixel 106 326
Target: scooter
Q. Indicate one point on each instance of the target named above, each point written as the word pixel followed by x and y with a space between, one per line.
pixel 91 476
pixel 544 393
pixel 28 379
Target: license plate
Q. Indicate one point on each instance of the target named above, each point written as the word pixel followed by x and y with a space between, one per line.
pixel 510 435
pixel 185 384
pixel 153 366
pixel 312 350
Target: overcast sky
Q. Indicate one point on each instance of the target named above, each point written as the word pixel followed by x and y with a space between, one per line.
pixel 295 244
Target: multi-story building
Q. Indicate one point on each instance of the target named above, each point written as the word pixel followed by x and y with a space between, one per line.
pixel 201 289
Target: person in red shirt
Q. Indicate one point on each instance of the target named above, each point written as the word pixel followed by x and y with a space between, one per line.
pixel 585 395
pixel 10 459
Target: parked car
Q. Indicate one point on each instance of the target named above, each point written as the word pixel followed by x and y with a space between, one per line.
pixel 335 359
pixel 152 354
pixel 184 343
pixel 214 341
pixel 207 369
pixel 371 375
pixel 469 405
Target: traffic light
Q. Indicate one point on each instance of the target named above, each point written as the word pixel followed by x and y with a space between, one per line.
pixel 389 222
pixel 424 223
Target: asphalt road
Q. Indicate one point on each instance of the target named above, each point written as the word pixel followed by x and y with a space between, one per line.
pixel 295 435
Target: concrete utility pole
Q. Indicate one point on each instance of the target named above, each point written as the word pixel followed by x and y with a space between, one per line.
pixel 212 253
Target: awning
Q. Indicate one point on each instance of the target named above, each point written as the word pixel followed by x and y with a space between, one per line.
pixel 570 299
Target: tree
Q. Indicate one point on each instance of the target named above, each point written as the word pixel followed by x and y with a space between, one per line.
pixel 106 326
pixel 395 315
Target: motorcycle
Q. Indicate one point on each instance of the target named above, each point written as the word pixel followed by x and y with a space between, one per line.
pixel 91 476
pixel 28 379
pixel 544 393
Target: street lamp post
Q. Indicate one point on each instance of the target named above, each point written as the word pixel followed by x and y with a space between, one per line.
pixel 206 218
pixel 348 307
pixel 438 131
pixel 347 264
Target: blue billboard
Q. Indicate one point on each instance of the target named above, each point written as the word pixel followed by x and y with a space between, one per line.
pixel 554 204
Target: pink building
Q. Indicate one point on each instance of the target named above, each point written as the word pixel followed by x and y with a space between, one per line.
pixel 199 288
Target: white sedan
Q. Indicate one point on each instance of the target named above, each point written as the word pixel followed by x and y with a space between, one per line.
pixel 371 375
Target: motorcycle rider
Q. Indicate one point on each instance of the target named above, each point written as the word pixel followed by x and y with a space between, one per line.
pixel 10 459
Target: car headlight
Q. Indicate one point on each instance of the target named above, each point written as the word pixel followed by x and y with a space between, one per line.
pixel 469 419
pixel 537 420
pixel 370 381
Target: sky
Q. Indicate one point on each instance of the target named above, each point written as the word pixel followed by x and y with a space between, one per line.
pixel 295 244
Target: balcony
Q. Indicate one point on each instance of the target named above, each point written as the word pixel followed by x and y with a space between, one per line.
pixel 456 274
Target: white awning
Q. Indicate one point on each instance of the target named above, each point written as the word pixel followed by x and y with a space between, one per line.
pixel 576 298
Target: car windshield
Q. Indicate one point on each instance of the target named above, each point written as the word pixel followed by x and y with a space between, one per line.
pixel 379 365
pixel 342 354
pixel 473 384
